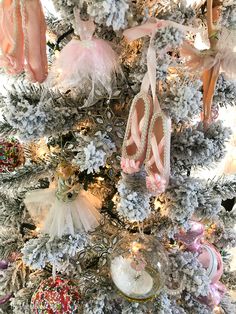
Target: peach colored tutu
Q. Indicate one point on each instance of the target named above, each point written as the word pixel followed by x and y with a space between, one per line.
pixel 224 54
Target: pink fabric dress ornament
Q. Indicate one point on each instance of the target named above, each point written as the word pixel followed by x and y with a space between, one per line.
pixel 210 259
pixel 84 63
pixel 23 38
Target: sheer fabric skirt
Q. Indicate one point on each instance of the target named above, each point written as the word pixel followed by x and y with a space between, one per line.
pixel 57 218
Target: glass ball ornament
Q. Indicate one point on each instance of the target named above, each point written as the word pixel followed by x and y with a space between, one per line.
pixel 138 267
pixel 211 260
pixel 56 296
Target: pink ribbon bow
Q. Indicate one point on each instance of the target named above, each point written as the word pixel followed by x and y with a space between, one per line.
pixel 149 29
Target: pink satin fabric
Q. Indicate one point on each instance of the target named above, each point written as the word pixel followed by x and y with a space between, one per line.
pixel 11 37
pixel 34 28
pixel 155 182
pixel 151 26
pixel 23 38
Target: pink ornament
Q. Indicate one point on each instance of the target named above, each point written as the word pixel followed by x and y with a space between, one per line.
pixel 5 298
pixel 23 38
pixel 85 61
pixel 3 265
pixel 192 237
pixel 217 291
pixel 211 260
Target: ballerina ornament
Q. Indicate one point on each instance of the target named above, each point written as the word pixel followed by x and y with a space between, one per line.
pixel 65 207
pixel 220 57
pixel 84 61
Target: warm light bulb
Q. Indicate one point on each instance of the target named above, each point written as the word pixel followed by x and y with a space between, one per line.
pixel 199 42
pixel 217 310
pixel 136 247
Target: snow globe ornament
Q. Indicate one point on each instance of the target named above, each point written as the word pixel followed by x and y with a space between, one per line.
pixel 138 266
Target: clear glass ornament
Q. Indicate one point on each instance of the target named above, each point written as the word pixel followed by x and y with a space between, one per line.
pixel 138 267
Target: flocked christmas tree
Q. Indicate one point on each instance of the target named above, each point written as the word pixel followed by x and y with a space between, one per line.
pixel 110 110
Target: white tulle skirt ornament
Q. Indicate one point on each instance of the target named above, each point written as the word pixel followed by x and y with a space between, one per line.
pixel 65 209
pixel 84 63
pixel 224 54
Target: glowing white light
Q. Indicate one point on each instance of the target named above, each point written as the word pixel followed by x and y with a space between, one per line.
pixel 226 166
pixel 193 3
pixel 199 42
pixel 48 5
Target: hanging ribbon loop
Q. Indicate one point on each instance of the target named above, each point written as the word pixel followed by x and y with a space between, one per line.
pixel 149 29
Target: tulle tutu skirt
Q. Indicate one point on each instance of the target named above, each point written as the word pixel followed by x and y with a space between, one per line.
pixel 85 65
pixel 56 218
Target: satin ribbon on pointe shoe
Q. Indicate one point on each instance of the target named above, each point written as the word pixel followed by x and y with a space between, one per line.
pixel 23 38
pixel 156 182
pixel 135 140
pixel 130 166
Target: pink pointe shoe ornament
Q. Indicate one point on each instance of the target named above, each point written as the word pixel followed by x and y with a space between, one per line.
pixel 23 38
pixel 83 61
pixel 148 131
